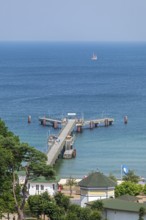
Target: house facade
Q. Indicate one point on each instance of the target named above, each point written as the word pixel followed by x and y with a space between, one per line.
pixel 40 185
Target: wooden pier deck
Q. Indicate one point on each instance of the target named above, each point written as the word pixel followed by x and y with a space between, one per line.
pixel 57 146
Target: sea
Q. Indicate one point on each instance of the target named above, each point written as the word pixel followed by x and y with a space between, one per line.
pixel 55 78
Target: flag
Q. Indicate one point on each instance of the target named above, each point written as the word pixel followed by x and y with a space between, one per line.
pixel 125 169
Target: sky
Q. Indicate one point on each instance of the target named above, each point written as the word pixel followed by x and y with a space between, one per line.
pixel 72 20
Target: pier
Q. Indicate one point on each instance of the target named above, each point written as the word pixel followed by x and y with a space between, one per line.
pixel 56 144
pixel 55 149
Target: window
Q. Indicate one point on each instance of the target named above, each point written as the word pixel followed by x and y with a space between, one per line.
pixel 42 187
pixel 53 186
pixel 37 187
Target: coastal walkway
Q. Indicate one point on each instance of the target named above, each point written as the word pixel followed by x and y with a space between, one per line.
pixel 55 149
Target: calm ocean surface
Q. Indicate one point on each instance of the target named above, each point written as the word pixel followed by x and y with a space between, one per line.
pixel 52 79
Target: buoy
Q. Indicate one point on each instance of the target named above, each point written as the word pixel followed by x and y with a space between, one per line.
pixel 29 119
pixel 125 119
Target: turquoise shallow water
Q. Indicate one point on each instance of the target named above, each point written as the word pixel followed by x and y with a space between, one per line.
pixel 55 78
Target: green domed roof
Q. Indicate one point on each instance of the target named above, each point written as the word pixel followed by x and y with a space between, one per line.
pixel 97 180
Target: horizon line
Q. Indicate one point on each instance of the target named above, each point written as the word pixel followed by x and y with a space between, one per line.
pixel 67 41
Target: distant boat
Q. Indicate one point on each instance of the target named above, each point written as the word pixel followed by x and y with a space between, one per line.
pixel 94 57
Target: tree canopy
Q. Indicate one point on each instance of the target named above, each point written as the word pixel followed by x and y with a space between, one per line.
pixel 131 176
pixel 16 156
pixel 129 188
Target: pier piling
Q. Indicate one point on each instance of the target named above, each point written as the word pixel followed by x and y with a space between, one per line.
pixel 29 119
pixel 125 119
pixel 106 122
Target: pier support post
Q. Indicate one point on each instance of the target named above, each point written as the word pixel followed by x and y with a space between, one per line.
pixel 110 122
pixel 79 128
pixel 44 122
pixel 96 125
pixel 55 124
pixel 106 122
pixel 91 124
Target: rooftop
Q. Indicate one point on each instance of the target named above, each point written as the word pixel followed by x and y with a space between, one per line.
pixel 97 180
pixel 122 205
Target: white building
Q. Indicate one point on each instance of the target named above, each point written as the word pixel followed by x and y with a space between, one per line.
pixel 96 186
pixel 40 185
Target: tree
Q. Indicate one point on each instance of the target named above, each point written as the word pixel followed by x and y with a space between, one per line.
pixel 75 208
pixel 129 188
pixel 98 205
pixel 141 213
pixel 35 205
pixel 7 203
pixel 71 215
pixel 85 213
pixel 144 189
pixel 96 215
pixel 45 205
pixel 19 156
pixel 130 176
pixel 62 200
pixel 71 182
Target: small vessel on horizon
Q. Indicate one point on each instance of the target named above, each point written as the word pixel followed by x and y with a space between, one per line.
pixel 94 57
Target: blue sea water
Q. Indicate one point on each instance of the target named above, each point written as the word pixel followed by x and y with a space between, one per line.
pixel 52 79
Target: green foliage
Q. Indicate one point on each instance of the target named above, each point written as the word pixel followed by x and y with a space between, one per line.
pixel 144 189
pixel 96 215
pixel 44 204
pixel 98 205
pixel 74 208
pixel 35 205
pixel 56 209
pixel 71 215
pixel 131 176
pixel 129 188
pixel 62 200
pixel 85 213
pixel 141 213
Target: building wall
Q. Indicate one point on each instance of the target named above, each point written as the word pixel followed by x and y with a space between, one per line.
pixel 88 195
pixel 121 215
pixel 101 193
pixel 39 188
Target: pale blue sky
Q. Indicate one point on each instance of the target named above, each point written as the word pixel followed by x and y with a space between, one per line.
pixel 73 20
